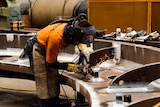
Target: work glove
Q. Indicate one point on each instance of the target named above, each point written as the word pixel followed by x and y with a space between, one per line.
pixel 84 50
pixel 75 68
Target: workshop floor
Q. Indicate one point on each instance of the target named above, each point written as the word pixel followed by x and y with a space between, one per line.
pixel 21 93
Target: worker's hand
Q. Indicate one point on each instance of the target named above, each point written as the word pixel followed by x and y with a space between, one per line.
pixel 75 68
pixel 85 50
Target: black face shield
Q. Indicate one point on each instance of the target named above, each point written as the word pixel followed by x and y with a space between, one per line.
pixel 81 32
pixel 89 34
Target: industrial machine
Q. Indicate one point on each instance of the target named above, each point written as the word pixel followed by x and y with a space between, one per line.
pixel 35 14
pixel 9 12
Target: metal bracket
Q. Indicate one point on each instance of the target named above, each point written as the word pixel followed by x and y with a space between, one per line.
pixel 141 76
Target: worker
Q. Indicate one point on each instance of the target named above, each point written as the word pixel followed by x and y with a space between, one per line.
pixel 48 43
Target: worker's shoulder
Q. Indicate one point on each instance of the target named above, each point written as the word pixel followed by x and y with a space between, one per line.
pixel 57 25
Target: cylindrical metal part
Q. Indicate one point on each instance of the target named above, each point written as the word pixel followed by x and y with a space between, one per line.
pixel 45 11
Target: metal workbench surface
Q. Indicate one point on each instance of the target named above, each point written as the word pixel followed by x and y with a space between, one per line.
pixel 93 89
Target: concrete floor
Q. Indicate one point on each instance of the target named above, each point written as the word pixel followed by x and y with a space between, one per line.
pixel 22 93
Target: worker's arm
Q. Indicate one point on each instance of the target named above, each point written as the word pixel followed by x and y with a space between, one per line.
pixel 66 66
pixel 58 65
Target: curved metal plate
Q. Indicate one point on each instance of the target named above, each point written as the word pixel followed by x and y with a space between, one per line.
pixel 151 102
pixel 101 55
pixel 141 76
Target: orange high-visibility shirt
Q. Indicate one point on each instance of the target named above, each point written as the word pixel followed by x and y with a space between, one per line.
pixel 52 38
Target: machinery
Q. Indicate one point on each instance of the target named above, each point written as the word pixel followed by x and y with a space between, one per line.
pixel 9 12
pixel 35 14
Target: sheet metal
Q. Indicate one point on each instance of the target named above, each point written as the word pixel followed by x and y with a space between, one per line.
pixel 142 75
pixel 94 92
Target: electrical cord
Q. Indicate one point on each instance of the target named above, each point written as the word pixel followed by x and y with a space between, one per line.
pixel 64 92
pixel 62 85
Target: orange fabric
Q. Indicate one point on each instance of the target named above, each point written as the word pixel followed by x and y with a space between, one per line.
pixel 51 38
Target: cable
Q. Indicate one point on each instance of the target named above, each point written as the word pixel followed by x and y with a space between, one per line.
pixel 64 92
pixel 62 71
pixel 64 7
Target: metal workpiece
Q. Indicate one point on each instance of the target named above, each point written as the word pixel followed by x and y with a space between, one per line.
pixel 139 76
pixel 98 90
pixel 14 40
pixel 149 102
pixel 94 92
pixel 101 55
pixel 139 53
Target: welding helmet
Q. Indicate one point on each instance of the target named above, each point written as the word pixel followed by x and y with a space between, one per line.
pixel 80 31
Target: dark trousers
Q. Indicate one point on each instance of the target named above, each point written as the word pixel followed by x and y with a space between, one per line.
pixel 52 102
